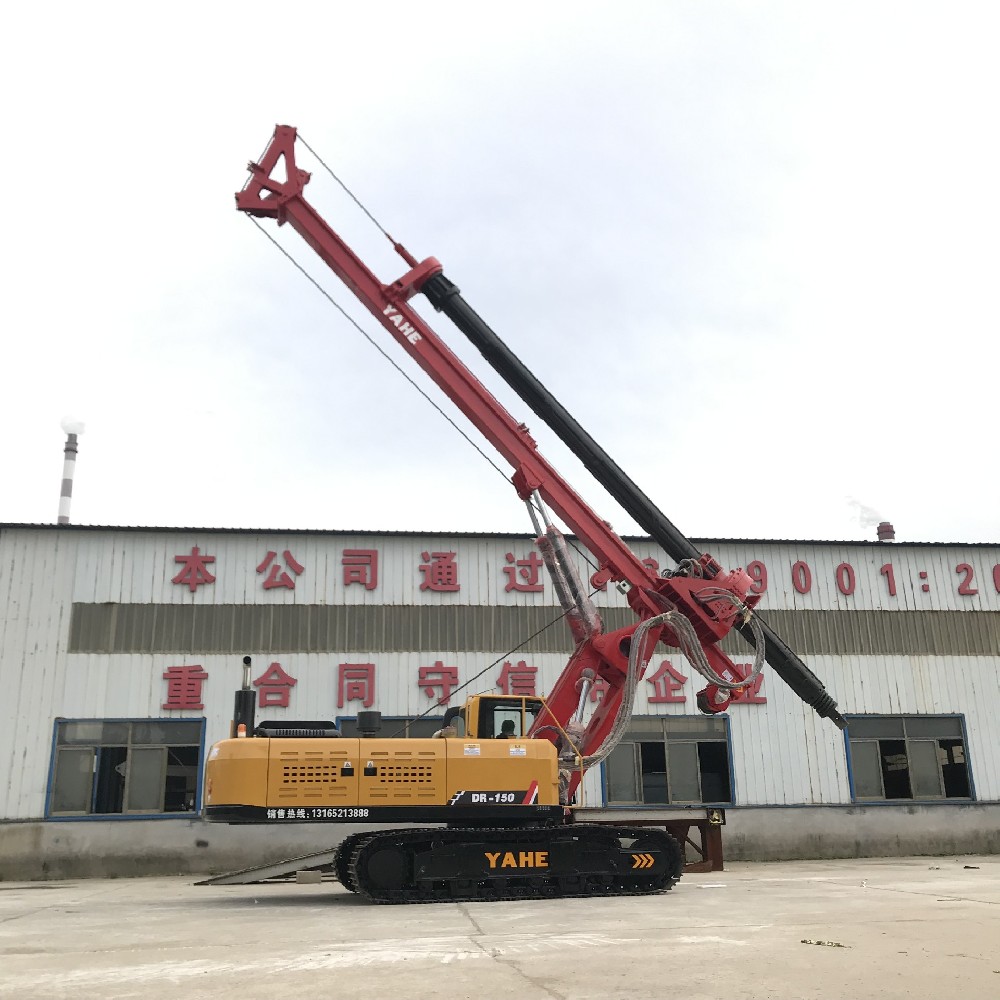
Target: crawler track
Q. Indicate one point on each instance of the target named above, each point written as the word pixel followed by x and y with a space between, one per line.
pixel 481 865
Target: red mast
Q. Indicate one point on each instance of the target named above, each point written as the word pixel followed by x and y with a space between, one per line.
pixel 607 655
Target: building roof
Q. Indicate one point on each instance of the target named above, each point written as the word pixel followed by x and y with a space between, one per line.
pixel 340 532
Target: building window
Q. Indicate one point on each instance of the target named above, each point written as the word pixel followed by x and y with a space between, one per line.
pixel 671 761
pixel 112 767
pixel 402 728
pixel 908 757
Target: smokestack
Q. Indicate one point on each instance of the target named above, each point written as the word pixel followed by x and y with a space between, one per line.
pixel 886 532
pixel 73 429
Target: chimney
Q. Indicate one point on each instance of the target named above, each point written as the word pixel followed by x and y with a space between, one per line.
pixel 886 532
pixel 73 429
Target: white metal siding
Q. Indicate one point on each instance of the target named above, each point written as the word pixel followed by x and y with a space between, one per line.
pixel 783 753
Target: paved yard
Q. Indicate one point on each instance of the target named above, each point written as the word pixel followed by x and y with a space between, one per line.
pixel 915 928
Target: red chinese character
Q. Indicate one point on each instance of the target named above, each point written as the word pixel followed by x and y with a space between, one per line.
pixel 652 565
pixel 440 571
pixel 518 679
pixel 195 571
pixel 275 687
pixel 360 566
pixel 667 684
pixel 356 682
pixel 751 694
pixel 184 687
pixel 599 689
pixel 276 578
pixel 527 570
pixel 438 676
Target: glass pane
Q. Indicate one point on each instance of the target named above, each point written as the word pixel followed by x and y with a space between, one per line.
pixel 642 727
pixel 506 723
pixel 867 768
pixel 875 727
pixel 532 709
pixel 687 727
pixel 714 760
pixel 181 788
pixel 109 778
pixel 145 771
pixel 73 782
pixel 165 732
pixel 895 769
pixel 500 718
pixel 94 732
pixel 621 774
pixel 933 726
pixel 653 762
pixel 684 773
pixel 924 773
pixel 951 756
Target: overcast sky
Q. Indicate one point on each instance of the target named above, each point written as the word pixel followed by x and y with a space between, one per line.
pixel 752 247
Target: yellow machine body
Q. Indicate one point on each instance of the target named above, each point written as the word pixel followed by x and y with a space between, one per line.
pixel 254 779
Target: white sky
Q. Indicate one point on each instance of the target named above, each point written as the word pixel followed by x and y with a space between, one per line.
pixel 752 247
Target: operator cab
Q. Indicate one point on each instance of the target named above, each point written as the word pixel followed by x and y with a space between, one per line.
pixel 494 717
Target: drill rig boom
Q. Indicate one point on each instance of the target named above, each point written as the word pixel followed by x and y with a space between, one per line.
pixel 515 840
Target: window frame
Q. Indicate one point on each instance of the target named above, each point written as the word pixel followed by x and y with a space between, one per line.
pixel 77 817
pixel 727 741
pixel 913 800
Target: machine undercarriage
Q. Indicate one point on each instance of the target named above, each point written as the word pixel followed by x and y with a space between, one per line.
pixel 485 864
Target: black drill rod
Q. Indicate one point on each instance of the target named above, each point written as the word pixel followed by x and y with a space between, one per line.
pixel 446 298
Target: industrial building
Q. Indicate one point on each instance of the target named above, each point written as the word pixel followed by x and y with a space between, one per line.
pixel 120 649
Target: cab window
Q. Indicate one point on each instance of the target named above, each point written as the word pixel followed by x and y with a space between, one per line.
pixel 502 719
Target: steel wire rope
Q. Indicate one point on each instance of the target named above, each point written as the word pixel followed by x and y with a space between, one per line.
pixel 378 225
pixel 691 648
pixel 350 194
pixel 357 326
pixel 488 667
pixel 582 553
pixel 371 340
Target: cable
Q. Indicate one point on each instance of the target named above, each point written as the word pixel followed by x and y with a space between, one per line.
pixel 485 669
pixel 348 191
pixel 692 648
pixel 633 678
pixel 357 201
pixel 357 326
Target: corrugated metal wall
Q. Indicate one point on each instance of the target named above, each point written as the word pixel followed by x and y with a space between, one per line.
pixel 90 620
pixel 298 628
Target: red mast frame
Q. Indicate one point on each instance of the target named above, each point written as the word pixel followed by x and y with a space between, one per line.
pixel 648 595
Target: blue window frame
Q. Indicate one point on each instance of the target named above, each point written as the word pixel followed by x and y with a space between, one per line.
pixel 125 768
pixel 908 757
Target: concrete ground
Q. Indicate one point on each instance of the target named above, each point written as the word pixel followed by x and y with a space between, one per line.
pixel 915 928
